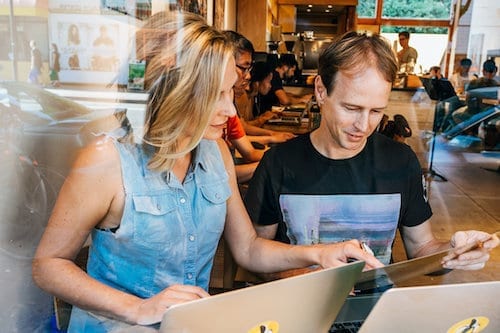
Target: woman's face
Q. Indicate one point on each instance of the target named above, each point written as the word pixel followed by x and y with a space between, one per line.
pixel 265 85
pixel 224 107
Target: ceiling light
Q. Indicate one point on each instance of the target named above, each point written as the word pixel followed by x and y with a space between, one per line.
pixel 330 6
pixel 327 10
pixel 310 6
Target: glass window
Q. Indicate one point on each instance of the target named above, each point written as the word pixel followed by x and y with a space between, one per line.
pixel 414 9
pixel 366 8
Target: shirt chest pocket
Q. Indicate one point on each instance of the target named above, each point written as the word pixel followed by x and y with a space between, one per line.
pixel 213 207
pixel 156 222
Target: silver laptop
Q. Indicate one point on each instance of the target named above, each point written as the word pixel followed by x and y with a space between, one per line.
pixel 304 303
pixel 452 308
pixel 291 115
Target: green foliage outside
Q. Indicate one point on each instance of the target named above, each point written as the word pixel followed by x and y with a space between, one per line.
pixel 409 9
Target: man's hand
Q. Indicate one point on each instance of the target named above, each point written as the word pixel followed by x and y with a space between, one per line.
pixel 474 259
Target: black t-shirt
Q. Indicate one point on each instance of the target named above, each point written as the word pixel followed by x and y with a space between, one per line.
pixel 320 200
pixel 267 101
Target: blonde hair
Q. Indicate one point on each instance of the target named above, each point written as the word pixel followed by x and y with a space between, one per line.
pixel 185 64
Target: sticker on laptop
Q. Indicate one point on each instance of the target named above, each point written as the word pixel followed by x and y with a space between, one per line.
pixel 470 325
pixel 266 327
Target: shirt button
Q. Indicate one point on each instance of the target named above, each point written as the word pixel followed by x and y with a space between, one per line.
pixel 191 238
pixel 189 276
pixel 182 200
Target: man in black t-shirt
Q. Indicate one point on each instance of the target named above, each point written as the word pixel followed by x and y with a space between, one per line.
pixel 277 95
pixel 346 181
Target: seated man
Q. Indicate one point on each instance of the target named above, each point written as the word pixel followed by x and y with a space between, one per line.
pixel 277 95
pixel 462 76
pixel 474 96
pixel 344 179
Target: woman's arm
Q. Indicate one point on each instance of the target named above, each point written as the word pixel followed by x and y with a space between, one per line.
pixel 91 196
pixel 265 256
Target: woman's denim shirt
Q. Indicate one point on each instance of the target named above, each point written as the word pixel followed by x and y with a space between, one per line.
pixel 169 230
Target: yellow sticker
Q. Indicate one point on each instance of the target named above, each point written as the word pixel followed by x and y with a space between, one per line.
pixel 470 325
pixel 266 327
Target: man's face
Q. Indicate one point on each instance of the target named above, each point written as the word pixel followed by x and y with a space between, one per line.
pixel 290 72
pixel 243 67
pixel 352 112
pixel 265 85
pixel 403 41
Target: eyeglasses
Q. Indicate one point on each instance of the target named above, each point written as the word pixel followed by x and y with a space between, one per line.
pixel 245 70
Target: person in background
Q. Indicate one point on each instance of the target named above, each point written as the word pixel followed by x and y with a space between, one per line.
pixel 473 104
pixel 244 64
pixel 462 76
pixel 407 55
pixel 237 140
pixel 277 95
pixel 488 79
pixel 55 66
pixel 344 178
pixel 156 210
pixel 260 85
pixel 35 65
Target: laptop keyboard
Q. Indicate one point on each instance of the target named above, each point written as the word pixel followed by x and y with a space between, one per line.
pixel 346 327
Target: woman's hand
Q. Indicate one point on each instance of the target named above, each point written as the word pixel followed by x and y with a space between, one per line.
pixel 151 310
pixel 337 254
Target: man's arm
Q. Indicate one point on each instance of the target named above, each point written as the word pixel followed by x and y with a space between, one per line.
pixel 288 99
pixel 420 241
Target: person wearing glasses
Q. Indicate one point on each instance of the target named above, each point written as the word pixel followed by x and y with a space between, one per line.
pixel 156 210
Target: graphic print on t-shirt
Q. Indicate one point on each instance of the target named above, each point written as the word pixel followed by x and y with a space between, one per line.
pixel 370 218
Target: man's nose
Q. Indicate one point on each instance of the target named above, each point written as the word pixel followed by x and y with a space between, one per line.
pixel 362 121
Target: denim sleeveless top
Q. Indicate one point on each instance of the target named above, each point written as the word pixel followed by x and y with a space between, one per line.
pixel 168 233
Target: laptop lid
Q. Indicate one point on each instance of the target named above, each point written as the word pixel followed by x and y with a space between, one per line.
pixel 304 303
pixel 452 308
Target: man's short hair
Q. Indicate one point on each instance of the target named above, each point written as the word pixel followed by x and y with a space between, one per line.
pixel 240 42
pixel 354 52
pixel 287 59
pixel 406 34
pixel 465 62
pixel 489 66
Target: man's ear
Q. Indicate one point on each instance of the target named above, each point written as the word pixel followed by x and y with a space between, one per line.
pixel 320 90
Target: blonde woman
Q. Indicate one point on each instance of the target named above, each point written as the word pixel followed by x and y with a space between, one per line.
pixel 156 210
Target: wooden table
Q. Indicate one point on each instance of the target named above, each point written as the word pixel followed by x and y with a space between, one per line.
pixel 302 129
pixel 489 101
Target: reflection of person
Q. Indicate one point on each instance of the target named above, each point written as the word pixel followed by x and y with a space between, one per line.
pixel 349 179
pixel 277 95
pixel 103 39
pixel 36 64
pixel 462 76
pixel 55 67
pixel 407 54
pixel 163 204
pixel 74 61
pixel 73 35
pixel 488 78
pixel 473 100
